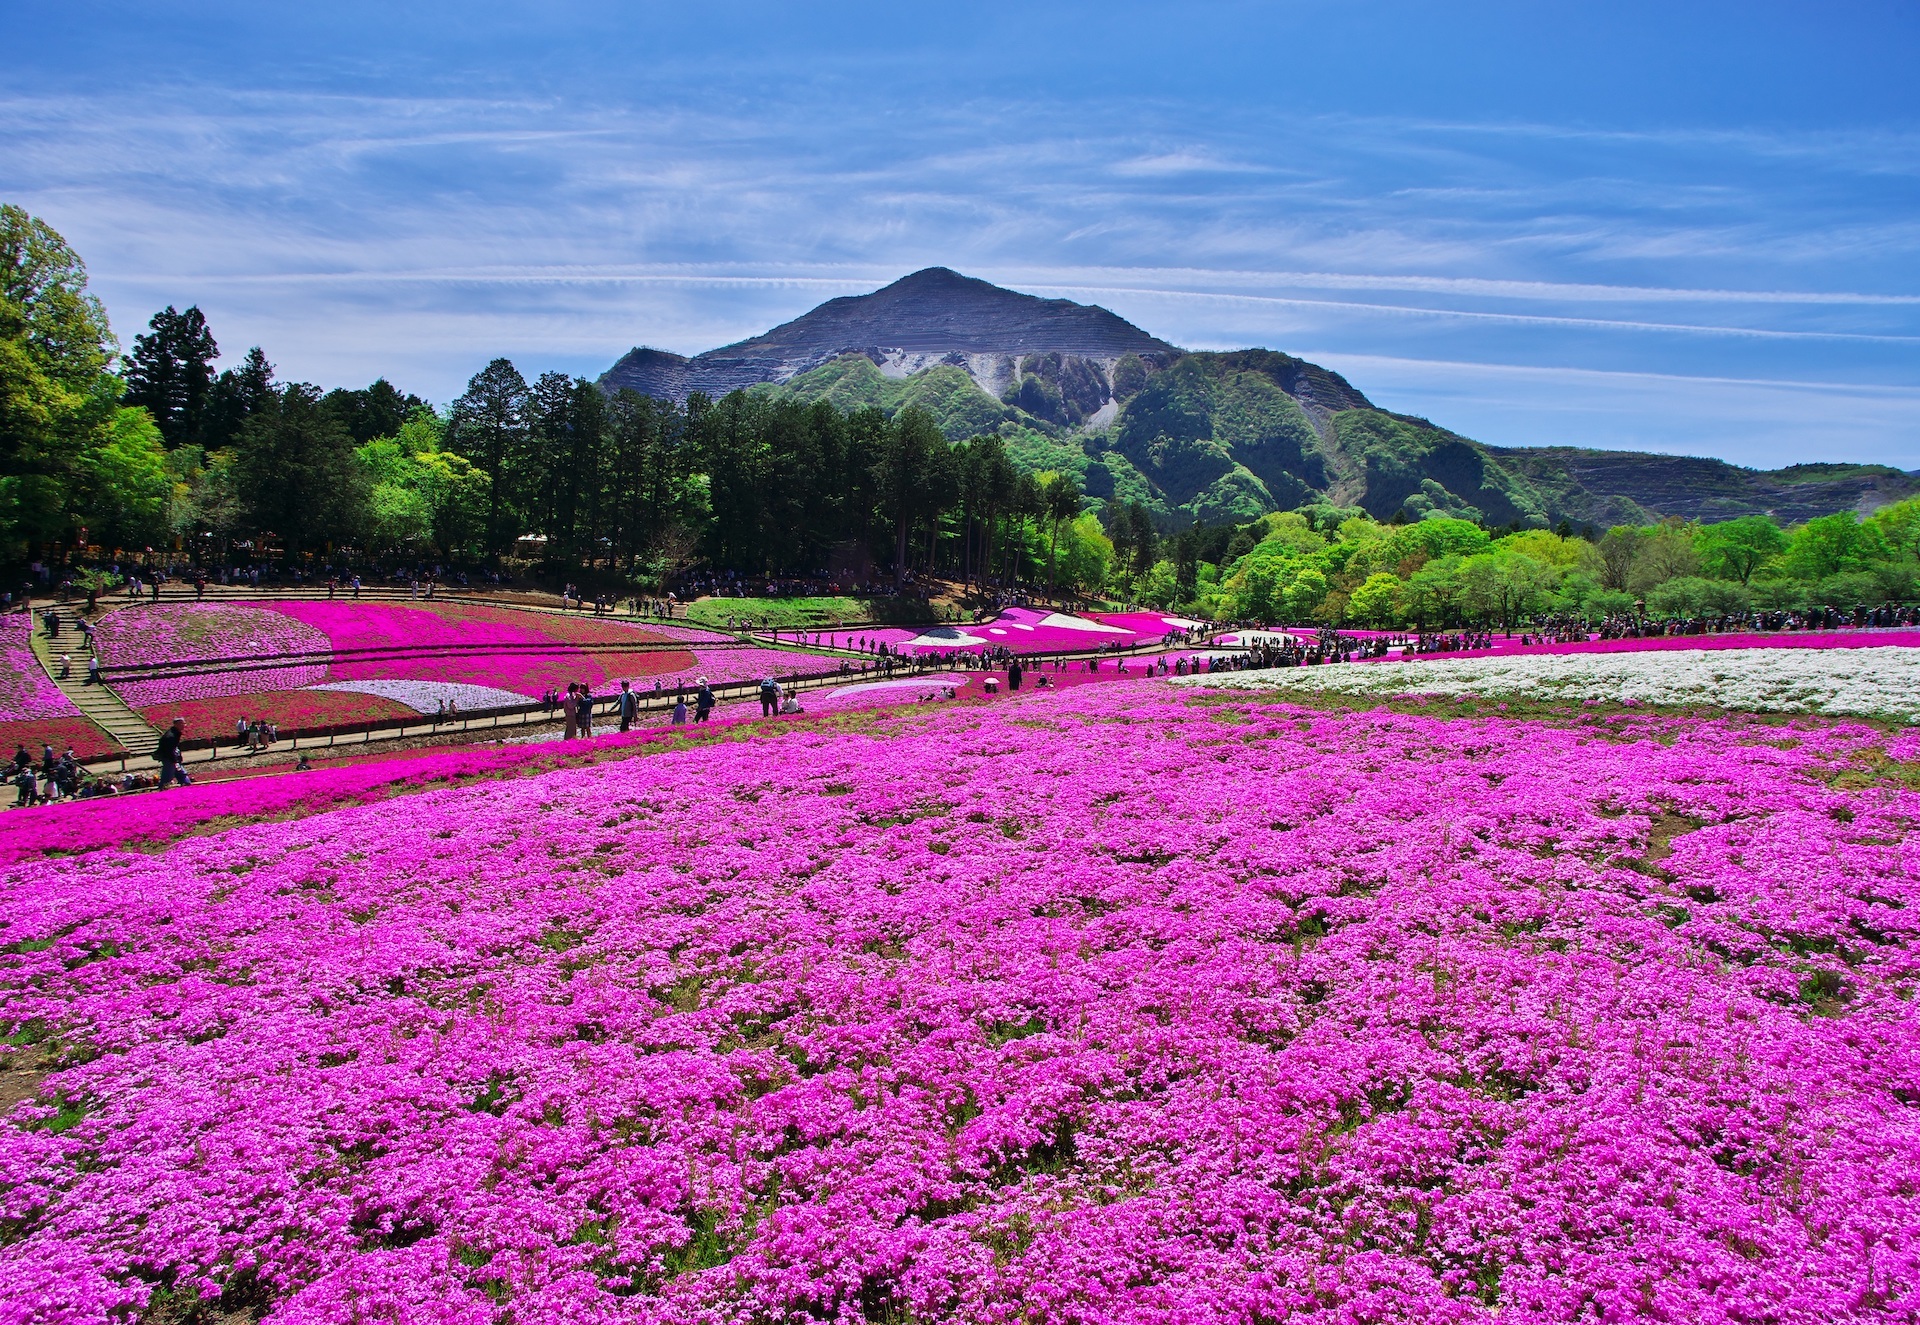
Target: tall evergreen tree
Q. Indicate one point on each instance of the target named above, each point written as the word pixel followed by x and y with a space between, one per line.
pixel 238 394
pixel 906 468
pixel 489 427
pixel 581 486
pixel 379 410
pixel 297 471
pixel 170 372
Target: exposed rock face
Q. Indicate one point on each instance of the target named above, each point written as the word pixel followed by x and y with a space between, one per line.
pixel 932 317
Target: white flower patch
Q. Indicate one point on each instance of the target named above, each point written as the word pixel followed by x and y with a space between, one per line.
pixel 1873 682
pixel 427 696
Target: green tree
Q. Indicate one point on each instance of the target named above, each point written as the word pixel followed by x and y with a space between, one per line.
pixel 1833 544
pixel 297 471
pixel 58 403
pixel 170 373
pixel 1619 547
pixel 1434 592
pixel 902 472
pixel 380 410
pixel 489 427
pixel 1376 602
pixel 1501 586
pixel 238 394
pixel 1063 504
pixel 1899 525
pixel 126 489
pixel 1735 549
pixel 65 326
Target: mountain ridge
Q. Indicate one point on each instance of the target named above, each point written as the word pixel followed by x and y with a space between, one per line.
pixel 1208 435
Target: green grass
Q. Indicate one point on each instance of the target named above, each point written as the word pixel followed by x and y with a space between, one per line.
pixel 804 613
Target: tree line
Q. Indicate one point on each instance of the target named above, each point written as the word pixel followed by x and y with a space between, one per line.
pixel 1340 567
pixel 156 449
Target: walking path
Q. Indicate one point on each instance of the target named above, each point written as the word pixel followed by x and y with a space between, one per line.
pixel 96 702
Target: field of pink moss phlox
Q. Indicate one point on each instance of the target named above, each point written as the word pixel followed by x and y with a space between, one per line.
pixel 1113 1005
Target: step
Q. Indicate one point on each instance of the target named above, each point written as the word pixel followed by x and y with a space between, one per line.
pixel 97 703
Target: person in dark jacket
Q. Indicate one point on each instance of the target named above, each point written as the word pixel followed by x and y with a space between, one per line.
pixel 171 768
pixel 629 705
pixel 704 702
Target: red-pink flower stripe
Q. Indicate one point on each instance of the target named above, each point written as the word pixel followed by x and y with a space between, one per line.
pixel 1106 1006
pixel 27 693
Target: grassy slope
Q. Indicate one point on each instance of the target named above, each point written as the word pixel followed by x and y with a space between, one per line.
pixel 802 613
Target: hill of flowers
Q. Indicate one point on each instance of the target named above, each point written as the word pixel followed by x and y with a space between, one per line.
pixel 33 710
pixel 1873 679
pixel 1121 1003
pixel 390 659
pixel 27 693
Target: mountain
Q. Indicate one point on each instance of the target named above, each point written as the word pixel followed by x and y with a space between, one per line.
pixel 933 318
pixel 1208 435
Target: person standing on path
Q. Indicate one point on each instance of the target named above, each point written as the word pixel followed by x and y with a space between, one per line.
pixel 1014 673
pixel 570 711
pixel 168 753
pixel 629 705
pixel 356 588
pixel 704 702
pixel 586 710
pixel 769 697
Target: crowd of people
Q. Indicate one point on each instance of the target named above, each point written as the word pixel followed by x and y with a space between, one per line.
pixel 62 777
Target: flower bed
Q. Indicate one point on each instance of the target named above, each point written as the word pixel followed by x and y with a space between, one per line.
pixel 87 740
pixel 1863 681
pixel 1120 1005
pixel 146 633
pixel 27 693
pixel 290 710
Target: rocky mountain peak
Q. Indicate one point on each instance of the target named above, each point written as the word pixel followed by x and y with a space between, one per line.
pixel 933 316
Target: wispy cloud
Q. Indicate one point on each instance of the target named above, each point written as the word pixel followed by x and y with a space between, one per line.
pixel 419 235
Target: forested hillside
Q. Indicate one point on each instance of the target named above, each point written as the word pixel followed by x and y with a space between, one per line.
pixel 1234 435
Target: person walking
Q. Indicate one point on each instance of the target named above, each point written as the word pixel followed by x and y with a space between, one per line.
pixel 1014 674
pixel 629 705
pixel 356 588
pixel 171 767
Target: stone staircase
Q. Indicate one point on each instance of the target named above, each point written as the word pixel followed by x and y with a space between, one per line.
pixel 98 703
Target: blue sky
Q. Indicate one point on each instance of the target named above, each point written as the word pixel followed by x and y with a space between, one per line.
pixel 1678 227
